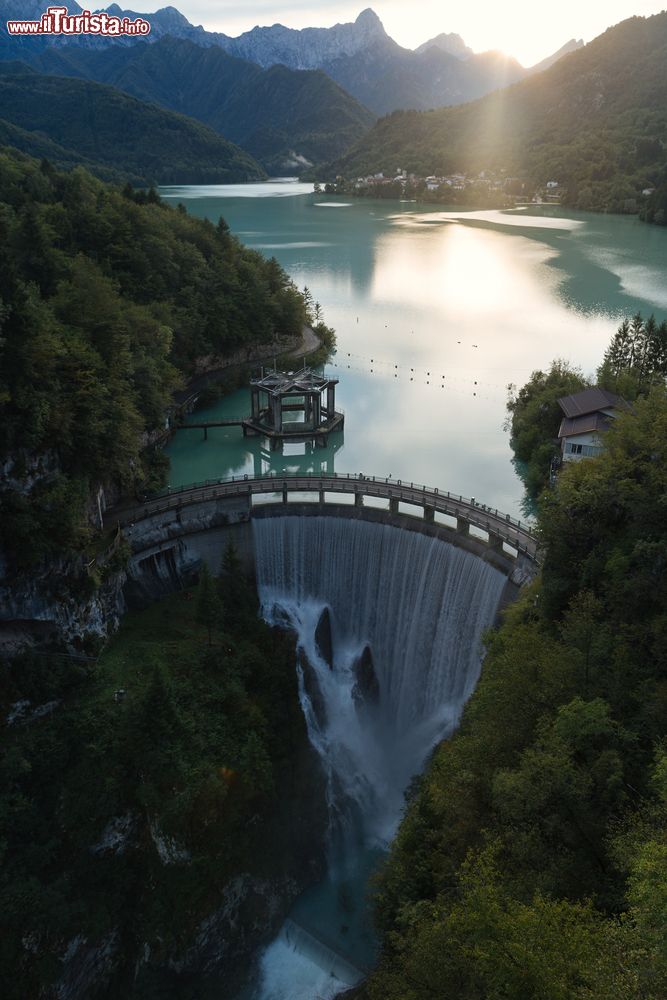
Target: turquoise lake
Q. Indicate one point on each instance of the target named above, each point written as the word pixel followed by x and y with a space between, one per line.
pixel 436 311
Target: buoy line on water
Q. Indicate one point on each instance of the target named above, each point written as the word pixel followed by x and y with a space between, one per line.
pixel 421 375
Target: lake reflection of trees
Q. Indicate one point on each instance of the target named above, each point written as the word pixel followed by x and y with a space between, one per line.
pixel 304 459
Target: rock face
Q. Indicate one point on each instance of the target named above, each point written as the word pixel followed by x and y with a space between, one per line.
pixel 450 43
pixel 64 598
pixel 571 46
pixel 253 904
pixel 358 55
pixel 85 964
pixel 167 549
pixel 27 10
pixel 371 66
pixel 366 691
pixel 47 603
pixel 308 48
pixel 250 913
pixel 312 688
pixel 61 599
pixel 324 639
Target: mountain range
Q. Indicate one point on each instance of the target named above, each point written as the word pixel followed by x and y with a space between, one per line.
pixel 360 56
pixel 381 74
pixel 290 98
pixel 595 122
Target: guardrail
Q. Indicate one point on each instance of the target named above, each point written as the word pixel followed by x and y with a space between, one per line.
pixel 102 558
pixel 467 509
pixel 222 422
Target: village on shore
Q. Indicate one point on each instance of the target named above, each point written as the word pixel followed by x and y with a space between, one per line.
pixel 486 189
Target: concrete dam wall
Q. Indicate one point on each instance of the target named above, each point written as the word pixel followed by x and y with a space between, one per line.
pixel 169 545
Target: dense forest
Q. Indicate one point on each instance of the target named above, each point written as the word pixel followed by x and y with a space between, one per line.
pixel 532 860
pixel 108 299
pixel 286 118
pixel 142 806
pixel 114 135
pixel 595 122
pixel 137 796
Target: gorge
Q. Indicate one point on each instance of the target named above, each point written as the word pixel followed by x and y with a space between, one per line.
pixel 388 610
pixel 396 602
pixel 406 615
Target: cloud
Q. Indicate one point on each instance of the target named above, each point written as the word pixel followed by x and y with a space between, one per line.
pixel 220 15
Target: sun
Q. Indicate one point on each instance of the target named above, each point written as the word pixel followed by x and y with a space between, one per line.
pixel 483 26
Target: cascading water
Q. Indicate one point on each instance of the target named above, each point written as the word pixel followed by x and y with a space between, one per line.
pixel 382 677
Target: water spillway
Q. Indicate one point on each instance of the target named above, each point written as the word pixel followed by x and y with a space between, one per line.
pixel 389 626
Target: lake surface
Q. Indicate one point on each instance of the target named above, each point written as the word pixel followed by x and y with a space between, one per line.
pixel 435 313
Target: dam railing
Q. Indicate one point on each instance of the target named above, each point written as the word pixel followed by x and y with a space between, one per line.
pixel 467 512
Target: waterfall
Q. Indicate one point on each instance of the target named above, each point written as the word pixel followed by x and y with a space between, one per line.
pixel 389 625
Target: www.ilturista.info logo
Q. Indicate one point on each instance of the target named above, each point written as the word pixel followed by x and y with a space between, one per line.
pixel 58 21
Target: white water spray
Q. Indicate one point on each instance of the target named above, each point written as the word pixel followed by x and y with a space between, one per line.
pixel 406 616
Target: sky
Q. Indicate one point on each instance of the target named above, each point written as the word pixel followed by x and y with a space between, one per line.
pixel 527 29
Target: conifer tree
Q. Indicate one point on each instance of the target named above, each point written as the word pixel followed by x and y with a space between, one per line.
pixel 209 603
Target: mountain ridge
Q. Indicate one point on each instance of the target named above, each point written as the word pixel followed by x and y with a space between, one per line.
pixel 595 122
pixel 447 42
pixel 359 56
pixel 296 118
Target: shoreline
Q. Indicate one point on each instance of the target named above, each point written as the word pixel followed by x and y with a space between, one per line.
pixel 308 344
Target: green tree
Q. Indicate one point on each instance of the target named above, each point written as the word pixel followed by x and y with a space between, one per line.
pixel 534 417
pixel 209 602
pixel 489 944
pixel 558 801
pixel 636 358
pixel 255 764
pixel 238 595
pixel 107 300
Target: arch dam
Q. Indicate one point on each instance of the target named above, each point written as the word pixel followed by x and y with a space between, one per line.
pixel 172 533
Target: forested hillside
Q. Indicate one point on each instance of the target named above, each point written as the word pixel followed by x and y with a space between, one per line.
pixel 276 114
pixel 108 298
pixel 656 207
pixel 138 788
pixel 532 861
pixel 596 122
pixel 78 121
pixel 134 828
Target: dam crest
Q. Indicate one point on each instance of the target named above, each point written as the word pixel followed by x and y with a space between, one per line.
pixel 172 533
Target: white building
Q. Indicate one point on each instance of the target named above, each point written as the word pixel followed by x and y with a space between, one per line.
pixel 586 416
